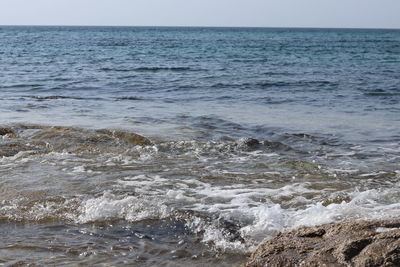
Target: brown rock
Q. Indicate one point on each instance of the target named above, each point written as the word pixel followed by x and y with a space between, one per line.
pixel 7 132
pixel 44 139
pixel 11 149
pixel 4 131
pixel 132 138
pixel 351 243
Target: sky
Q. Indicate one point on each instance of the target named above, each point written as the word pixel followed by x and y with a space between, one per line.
pixel 246 13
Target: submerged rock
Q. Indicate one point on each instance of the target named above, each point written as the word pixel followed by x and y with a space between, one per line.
pixel 11 149
pixel 128 137
pixel 45 139
pixel 300 165
pixel 8 132
pixel 4 131
pixel 351 243
pixel 248 142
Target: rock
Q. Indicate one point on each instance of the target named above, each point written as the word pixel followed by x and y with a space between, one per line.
pixel 132 138
pixel 300 165
pixel 229 229
pixel 44 139
pixel 11 149
pixel 351 243
pixel 277 146
pixel 251 142
pixel 247 142
pixel 6 131
pixel 60 136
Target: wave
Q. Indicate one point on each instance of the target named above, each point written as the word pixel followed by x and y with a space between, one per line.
pixel 383 93
pixel 305 85
pixel 234 140
pixel 116 70
pixel 22 85
pixel 52 97
pixel 229 194
pixel 238 230
pixel 155 69
pixel 311 83
pixel 123 98
pixel 150 69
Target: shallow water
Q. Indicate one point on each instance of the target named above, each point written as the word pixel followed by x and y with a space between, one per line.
pixel 247 132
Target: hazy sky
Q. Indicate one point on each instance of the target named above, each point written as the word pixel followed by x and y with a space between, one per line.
pixel 264 13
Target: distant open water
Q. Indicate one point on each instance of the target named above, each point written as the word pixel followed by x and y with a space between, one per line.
pixel 250 132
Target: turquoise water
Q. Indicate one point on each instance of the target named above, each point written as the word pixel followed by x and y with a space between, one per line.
pixel 252 130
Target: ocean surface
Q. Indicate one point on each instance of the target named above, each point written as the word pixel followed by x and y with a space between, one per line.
pixel 244 132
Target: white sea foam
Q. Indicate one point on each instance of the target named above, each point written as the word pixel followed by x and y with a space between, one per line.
pixel 372 204
pixel 79 169
pixel 266 220
pixel 21 156
pixel 128 208
pixel 333 170
pixel 372 174
pixel 255 220
pixel 209 178
pixel 21 209
pixel 385 229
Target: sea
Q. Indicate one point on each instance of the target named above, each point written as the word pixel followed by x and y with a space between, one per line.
pixel 176 146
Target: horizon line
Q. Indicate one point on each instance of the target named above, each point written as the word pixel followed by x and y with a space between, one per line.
pixel 195 26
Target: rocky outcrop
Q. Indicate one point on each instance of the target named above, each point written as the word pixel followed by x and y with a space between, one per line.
pixel 351 243
pixel 45 139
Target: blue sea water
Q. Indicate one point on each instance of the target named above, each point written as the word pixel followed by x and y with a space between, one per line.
pixel 331 81
pixel 253 131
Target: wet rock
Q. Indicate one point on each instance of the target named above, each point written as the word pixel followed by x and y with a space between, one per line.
pixel 300 165
pixel 62 136
pixel 11 149
pixel 277 146
pixel 4 131
pixel 229 229
pixel 44 139
pixel 304 135
pixel 132 138
pixel 7 132
pixel 351 243
pixel 247 142
pixel 251 142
